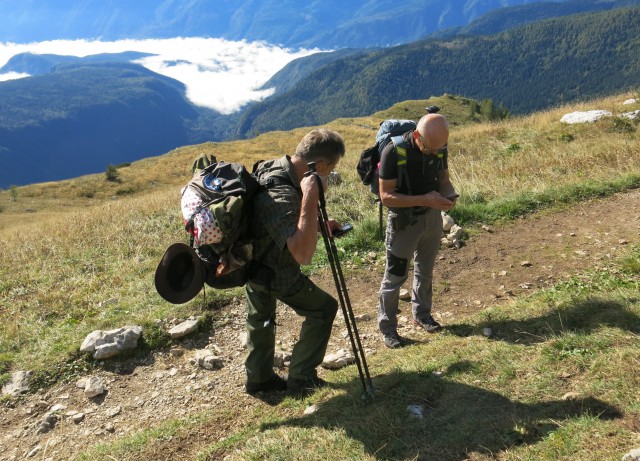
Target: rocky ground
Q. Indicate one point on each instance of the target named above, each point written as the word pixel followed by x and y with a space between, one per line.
pixel 494 266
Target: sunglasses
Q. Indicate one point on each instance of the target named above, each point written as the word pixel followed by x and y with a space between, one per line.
pixel 425 149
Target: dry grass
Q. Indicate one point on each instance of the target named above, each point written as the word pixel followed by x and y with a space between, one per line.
pixel 84 255
pixel 67 247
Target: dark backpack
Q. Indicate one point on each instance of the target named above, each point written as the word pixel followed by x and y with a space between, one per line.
pixel 390 130
pixel 226 189
pixel 368 164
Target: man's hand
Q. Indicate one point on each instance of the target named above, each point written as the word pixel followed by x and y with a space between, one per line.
pixel 333 225
pixel 437 201
pixel 310 189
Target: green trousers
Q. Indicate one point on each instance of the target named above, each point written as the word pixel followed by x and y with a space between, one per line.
pixel 318 309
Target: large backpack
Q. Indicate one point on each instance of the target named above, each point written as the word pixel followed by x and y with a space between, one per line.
pixel 368 164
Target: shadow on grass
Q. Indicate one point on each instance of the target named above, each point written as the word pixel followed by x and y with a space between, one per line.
pixel 580 316
pixel 457 419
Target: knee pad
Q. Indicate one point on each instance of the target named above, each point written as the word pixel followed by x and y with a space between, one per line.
pixel 397 266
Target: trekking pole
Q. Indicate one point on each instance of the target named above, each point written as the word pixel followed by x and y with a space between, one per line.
pixel 343 295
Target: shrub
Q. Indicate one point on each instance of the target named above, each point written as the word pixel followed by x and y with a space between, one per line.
pixel 112 173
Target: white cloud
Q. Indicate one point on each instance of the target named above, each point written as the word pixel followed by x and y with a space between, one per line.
pixel 218 74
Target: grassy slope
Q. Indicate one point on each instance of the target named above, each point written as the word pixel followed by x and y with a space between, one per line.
pixel 86 242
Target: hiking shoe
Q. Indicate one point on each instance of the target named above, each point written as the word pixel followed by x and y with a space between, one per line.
pixel 304 387
pixel 392 340
pixel 273 384
pixel 428 323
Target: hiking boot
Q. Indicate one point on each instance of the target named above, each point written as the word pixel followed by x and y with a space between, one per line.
pixel 304 387
pixel 392 340
pixel 273 384
pixel 428 323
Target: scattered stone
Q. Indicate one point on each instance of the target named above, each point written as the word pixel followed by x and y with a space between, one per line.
pixel 58 407
pixel 526 264
pixel 18 383
pixel 93 387
pixel 633 455
pixel 584 116
pixel 243 339
pixel 437 374
pixel 635 115
pixel 184 328
pixel 487 331
pixel 623 241
pixel 47 424
pixel 363 317
pixel 34 452
pixel 630 101
pixel 502 273
pixel 571 396
pixel 206 359
pixel 447 222
pixel 78 418
pixel 105 344
pixel 487 228
pixel 311 409
pixel 405 294
pixel 340 359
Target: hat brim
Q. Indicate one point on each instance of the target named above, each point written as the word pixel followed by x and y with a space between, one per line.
pixel 179 276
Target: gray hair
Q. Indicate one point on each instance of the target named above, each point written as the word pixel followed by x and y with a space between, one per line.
pixel 321 144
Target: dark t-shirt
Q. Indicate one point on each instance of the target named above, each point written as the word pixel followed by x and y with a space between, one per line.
pixel 423 171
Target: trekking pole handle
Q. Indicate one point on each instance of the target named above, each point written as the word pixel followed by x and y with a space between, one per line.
pixel 313 171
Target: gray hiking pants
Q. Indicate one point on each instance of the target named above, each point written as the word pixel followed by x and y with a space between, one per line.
pixel 416 236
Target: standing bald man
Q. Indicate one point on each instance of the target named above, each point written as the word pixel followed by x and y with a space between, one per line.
pixel 415 186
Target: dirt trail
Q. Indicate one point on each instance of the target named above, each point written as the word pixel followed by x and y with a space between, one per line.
pixel 494 266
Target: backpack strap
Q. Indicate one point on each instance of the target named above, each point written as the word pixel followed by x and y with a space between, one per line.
pixel 401 146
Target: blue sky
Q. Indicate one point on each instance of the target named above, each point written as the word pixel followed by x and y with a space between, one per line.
pixel 219 74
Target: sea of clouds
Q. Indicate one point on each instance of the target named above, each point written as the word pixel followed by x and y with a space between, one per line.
pixel 219 74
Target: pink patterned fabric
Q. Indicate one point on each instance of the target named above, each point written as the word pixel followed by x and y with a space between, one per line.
pixel 205 230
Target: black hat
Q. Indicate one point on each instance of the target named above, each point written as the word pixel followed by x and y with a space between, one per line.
pixel 180 274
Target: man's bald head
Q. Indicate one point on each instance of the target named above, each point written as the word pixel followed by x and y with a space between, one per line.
pixel 434 131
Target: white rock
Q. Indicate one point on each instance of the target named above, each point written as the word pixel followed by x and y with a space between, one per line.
pixel 183 329
pixel 585 116
pixel 447 222
pixel 18 383
pixel 455 232
pixel 93 387
pixel 206 359
pixel 631 115
pixel 311 409
pixel 633 455
pixel 340 359
pixel 105 344
pixel 405 294
pixel 630 101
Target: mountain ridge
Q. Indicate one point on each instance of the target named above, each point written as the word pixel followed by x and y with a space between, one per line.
pixel 522 68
